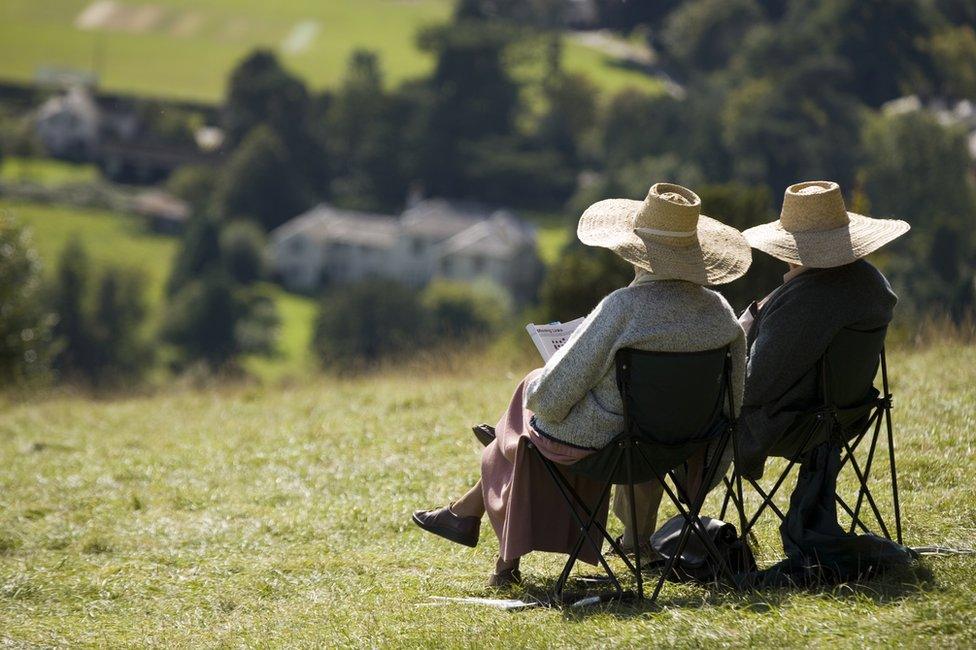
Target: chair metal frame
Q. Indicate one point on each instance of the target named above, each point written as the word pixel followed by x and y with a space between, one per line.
pixel 826 415
pixel 630 448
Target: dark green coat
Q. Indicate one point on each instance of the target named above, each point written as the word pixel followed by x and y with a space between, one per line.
pixel 787 339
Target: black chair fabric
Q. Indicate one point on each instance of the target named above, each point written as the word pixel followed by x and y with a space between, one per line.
pixel 847 372
pixel 673 405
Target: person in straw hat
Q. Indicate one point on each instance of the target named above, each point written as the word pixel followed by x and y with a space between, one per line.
pixel 571 408
pixel 829 286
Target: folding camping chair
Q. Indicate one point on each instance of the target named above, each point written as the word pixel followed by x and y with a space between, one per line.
pixel 672 405
pixel 849 407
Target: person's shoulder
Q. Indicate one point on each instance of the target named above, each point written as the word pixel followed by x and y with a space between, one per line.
pixel 859 275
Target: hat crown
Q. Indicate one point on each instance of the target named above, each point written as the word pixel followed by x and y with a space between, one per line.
pixel 813 206
pixel 670 212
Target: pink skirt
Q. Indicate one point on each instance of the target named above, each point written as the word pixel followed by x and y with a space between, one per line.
pixel 523 504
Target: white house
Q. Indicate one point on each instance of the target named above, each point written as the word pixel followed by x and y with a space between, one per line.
pixel 431 239
pixel 327 245
pixel 68 125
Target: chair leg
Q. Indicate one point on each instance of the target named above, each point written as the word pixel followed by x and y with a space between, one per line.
pixel 584 530
pixel 586 512
pixel 867 491
pixel 633 521
pixel 867 473
pixel 891 445
pixel 727 497
pixel 767 499
pixel 894 476
pixel 740 501
pixel 850 513
pixel 693 517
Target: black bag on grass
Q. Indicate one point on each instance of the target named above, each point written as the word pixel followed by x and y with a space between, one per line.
pixel 695 564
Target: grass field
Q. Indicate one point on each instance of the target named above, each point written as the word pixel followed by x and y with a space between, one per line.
pixel 254 516
pixel 185 48
pixel 122 240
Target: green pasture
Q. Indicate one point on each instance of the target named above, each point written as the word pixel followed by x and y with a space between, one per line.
pixel 123 240
pixel 45 171
pixel 185 48
pixel 279 517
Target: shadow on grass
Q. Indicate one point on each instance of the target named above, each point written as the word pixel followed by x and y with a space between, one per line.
pixel 890 588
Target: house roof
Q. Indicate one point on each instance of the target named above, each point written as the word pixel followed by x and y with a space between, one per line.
pixel 161 205
pixel 440 219
pixel 325 223
pixel 499 237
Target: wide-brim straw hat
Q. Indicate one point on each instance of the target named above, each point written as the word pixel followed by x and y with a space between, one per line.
pixel 667 235
pixel 816 230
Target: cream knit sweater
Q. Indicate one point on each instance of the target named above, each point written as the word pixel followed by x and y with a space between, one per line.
pixel 575 398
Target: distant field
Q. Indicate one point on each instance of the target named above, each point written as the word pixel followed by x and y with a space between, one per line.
pixel 185 48
pixel 122 240
pixel 270 517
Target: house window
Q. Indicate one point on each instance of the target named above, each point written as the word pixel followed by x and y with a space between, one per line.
pixel 417 245
pixel 297 245
pixel 446 265
pixel 478 263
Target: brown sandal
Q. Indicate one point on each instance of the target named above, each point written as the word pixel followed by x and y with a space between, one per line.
pixel 506 578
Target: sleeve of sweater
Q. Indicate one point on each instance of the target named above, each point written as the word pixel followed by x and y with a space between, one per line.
pixel 577 366
pixel 792 336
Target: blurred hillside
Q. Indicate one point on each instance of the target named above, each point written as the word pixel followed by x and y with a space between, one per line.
pixel 410 191
pixel 175 48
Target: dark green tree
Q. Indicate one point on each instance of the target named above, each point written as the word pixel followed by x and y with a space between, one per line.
pixel 199 252
pixel 24 323
pixel 242 252
pixel 120 351
pixel 954 52
pixel 194 184
pixel 366 141
pixel 635 125
pixel 919 170
pixel 471 97
pixel 702 35
pixel 262 92
pixel 214 321
pixel 797 125
pixel 259 183
pixel 367 322
pixel 882 42
pixel 570 115
pixel 71 329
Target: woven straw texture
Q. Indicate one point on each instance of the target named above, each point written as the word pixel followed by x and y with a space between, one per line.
pixel 666 235
pixel 816 230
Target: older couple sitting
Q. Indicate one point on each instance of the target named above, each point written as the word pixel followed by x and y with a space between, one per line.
pixel 571 407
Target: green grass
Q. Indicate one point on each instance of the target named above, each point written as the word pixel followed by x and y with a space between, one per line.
pixel 123 240
pixel 254 516
pixel 46 171
pixel 187 48
pixel 108 237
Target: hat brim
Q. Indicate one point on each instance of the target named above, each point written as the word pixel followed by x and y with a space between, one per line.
pixel 720 253
pixel 826 248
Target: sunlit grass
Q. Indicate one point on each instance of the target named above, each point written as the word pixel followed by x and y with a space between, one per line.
pixel 45 171
pixel 280 517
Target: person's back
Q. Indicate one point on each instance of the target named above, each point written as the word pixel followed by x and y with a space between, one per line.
pixel 831 287
pixel 576 399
